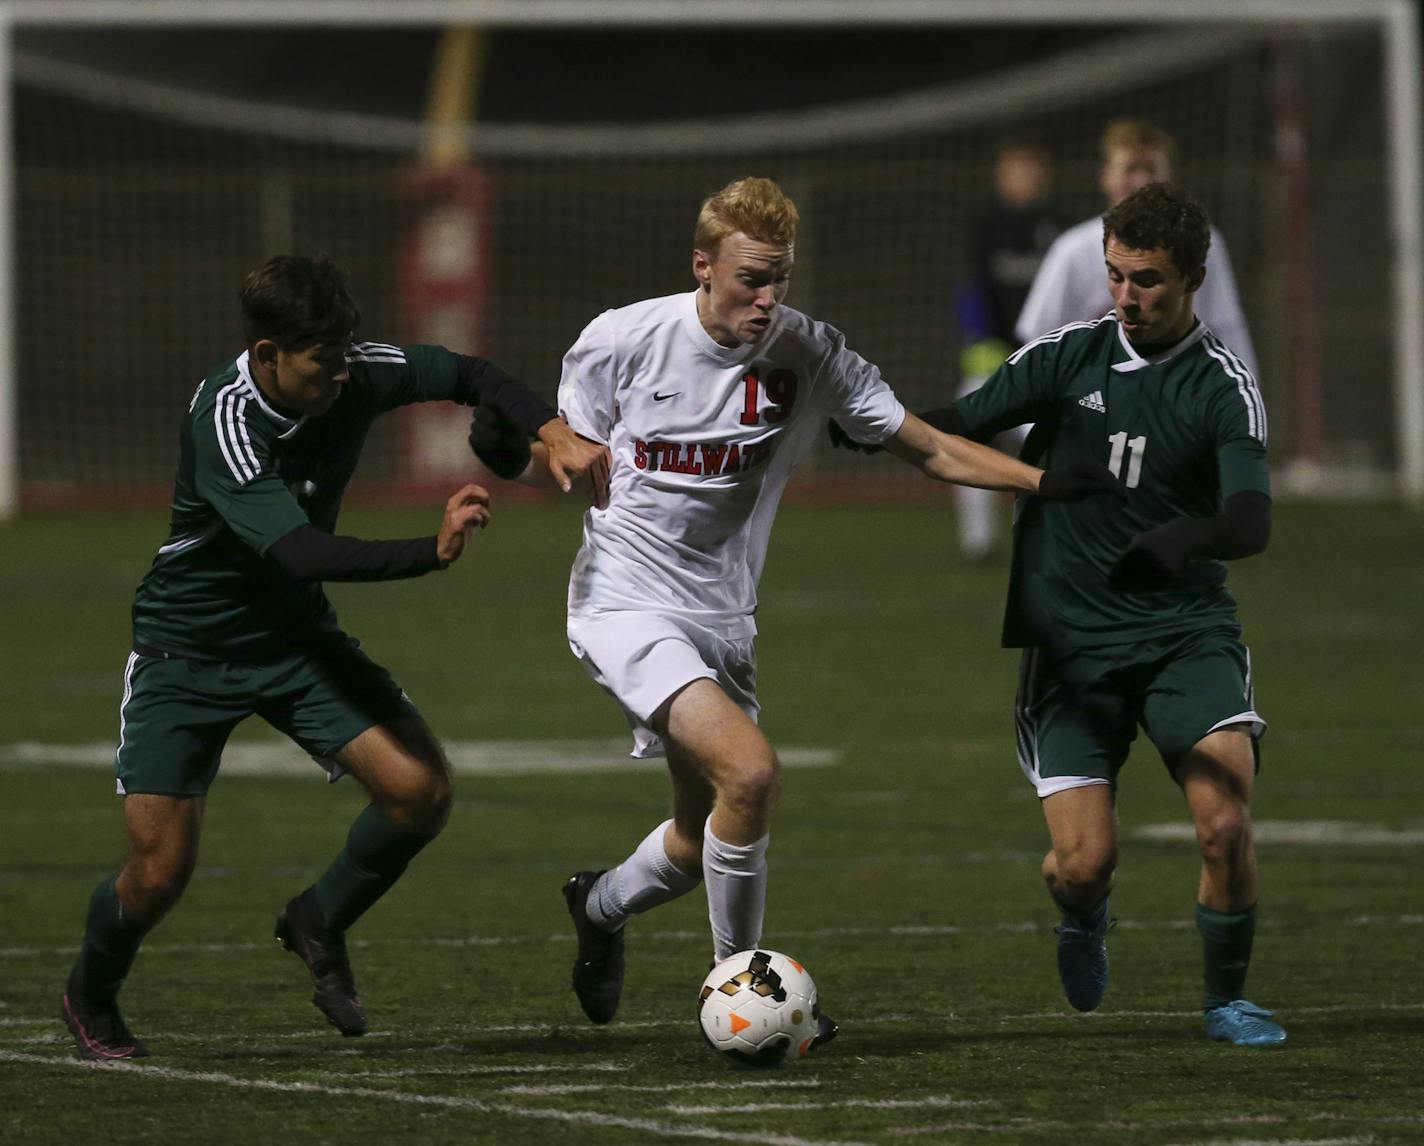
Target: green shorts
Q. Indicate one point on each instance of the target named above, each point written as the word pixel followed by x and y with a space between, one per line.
pixel 1076 717
pixel 177 712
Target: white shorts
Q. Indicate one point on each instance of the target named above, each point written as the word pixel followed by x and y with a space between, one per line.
pixel 643 658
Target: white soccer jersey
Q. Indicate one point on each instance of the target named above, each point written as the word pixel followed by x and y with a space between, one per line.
pixel 703 438
pixel 1072 286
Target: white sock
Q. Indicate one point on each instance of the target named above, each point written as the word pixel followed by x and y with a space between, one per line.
pixel 736 891
pixel 642 881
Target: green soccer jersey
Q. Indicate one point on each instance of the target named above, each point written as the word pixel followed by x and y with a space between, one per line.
pixel 247 476
pixel 1183 430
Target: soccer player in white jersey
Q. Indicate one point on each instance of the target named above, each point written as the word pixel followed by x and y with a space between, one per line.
pixel 706 400
pixel 1070 285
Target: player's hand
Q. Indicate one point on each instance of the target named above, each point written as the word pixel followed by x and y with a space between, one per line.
pixel 467 510
pixel 840 440
pixel 502 446
pixel 1082 477
pixel 596 481
pixel 1152 560
pixel 573 458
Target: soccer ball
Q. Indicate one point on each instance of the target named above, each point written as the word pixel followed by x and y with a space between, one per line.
pixel 758 1009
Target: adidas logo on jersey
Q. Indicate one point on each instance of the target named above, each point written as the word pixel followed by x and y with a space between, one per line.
pixel 1094 401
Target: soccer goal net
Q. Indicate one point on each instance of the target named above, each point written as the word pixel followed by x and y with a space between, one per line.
pixel 138 204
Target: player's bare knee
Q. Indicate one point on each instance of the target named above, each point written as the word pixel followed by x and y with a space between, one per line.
pixel 1224 835
pixel 753 786
pixel 1086 867
pixel 420 803
pixel 439 798
pixel 151 883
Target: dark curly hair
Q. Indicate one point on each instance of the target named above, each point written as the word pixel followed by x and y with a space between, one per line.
pixel 1161 216
pixel 298 301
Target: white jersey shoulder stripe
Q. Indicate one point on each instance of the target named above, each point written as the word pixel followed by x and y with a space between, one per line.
pixel 228 412
pixel 375 352
pixel 246 441
pixel 1245 385
pixel 1057 335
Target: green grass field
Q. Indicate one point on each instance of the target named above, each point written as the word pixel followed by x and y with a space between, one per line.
pixel 904 875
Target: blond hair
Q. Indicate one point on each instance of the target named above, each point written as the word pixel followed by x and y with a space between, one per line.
pixel 756 207
pixel 1137 135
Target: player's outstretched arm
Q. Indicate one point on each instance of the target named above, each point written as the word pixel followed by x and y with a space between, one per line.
pixel 568 457
pixel 952 458
pixel 509 454
pixel 311 554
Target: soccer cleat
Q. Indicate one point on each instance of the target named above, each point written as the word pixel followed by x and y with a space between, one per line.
pixel 1083 960
pixel 99 1032
pixel 826 1029
pixel 302 930
pixel 598 968
pixel 1244 1025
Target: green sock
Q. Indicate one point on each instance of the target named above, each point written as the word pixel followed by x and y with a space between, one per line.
pixel 376 853
pixel 1226 952
pixel 1088 920
pixel 110 943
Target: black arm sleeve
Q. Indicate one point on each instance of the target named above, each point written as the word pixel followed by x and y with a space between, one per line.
pixel 312 554
pixel 947 420
pixel 1242 529
pixel 1157 556
pixel 482 383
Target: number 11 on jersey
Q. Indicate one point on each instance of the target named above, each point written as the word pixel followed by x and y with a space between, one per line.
pixel 1134 448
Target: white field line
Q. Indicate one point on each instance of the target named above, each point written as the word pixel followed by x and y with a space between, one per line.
pixel 467 757
pixel 479 1106
pixel 1017 1126
pixel 1335 833
pixel 1355 1141
pixel 417 1071
pixel 762 1085
pixel 908 931
pixel 56 1037
pixel 937 1101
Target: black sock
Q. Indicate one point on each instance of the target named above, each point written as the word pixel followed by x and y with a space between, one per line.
pixel 110 943
pixel 1226 952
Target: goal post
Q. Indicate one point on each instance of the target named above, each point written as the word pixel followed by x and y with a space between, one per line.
pixel 888 184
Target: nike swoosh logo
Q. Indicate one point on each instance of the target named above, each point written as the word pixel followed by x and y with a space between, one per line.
pixel 664 397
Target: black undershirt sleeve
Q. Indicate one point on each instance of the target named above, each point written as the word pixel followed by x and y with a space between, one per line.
pixel 312 554
pixel 1154 557
pixel 1242 529
pixel 482 383
pixel 947 420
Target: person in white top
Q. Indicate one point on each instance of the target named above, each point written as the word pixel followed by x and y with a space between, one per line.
pixel 706 400
pixel 1071 286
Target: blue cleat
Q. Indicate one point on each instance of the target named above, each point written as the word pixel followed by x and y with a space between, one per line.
pixel 1244 1025
pixel 1083 959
